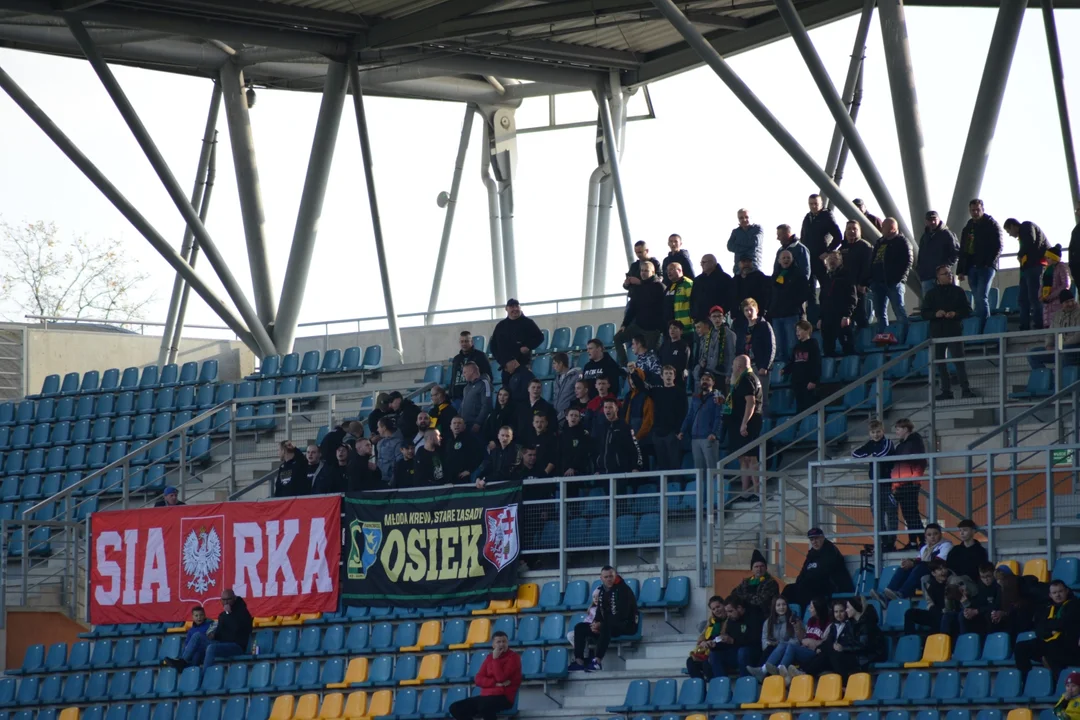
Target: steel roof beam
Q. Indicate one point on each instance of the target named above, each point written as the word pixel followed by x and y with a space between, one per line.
pixel 261 13
pixel 405 29
pixel 188 54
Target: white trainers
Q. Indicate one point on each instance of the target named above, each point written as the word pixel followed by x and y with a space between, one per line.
pixel 757 672
pixel 782 671
pixel 771 669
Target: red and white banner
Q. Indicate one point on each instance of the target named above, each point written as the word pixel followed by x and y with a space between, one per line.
pixel 155 564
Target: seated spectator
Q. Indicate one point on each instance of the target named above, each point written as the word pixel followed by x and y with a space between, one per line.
pixel 532 406
pixel 703 662
pixel 879 446
pixel 823 572
pixel 499 678
pixel 575 446
pixel 502 461
pixel 787 305
pixel 1068 705
pixel 566 378
pixel 797 655
pixel 362 473
pixel 194 648
pixel 405 475
pixel 933 582
pixel 505 414
pixel 288 471
pixel 985 615
pixel 909 577
pixel 945 306
pixel 462 452
pixel 739 646
pixel 804 367
pixel 224 639
pixel 857 255
pixel 616 615
pixel 615 449
pixel 961 603
pixel 906 492
pixel 466 355
pixel 853 642
pixel 751 284
pixel 404 411
pixel 590 615
pixel 715 348
pixel 970 555
pixel 1057 631
pixel 677 296
pixel 1067 317
pixel 1017 604
pixel 475 401
pixel 760 589
pixel 781 634
pixel 546 445
pixel 839 301
pixel 441 412
pixel 669 410
pixel 712 288
pixel 742 413
pixel 747 240
pixel 888 274
pixel 677 255
pixel 430 468
pixel 594 411
pixel 1055 278
pixel 644 314
pixel 799 253
pixel 757 343
pixel 513 340
pixel 647 361
pixel 600 365
pixel 169 498
pixel 633 275
pixel 675 351
pixel 702 425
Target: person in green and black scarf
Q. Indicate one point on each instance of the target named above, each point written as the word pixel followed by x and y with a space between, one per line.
pixel 761 588
pixel 716 348
pixel 703 662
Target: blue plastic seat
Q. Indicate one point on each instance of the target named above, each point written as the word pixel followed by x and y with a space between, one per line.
pixel 996 651
pixel 120 685
pixel 1039 687
pixel 886 690
pixel 170 375
pixel 107 405
pixel 976 687
pixel 51 689
pixel 40 435
pixel 331 362
pixel 1040 384
pixel 65 409
pixel 290 364
pixel 204 398
pixel 908 649
pixel 110 382
pixel 50 387
pixel 188 375
pixel 7 414
pixel 637 698
pixel 19 438
pixel 1007 687
pixel 149 377
pixel 310 362
pixel 1010 300
pixel 379 672
pixel 352 359
pixel 946 688
pixel 185 398
pixel 97 687
pixel 916 689
pixel 372 357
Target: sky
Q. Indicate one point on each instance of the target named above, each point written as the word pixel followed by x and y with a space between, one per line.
pixel 687 171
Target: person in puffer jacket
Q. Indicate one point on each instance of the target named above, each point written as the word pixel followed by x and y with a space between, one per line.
pixel 616 615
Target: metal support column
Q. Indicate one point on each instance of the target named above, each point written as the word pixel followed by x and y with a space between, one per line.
pixel 373 202
pixel 591 213
pixel 506 219
pixel 247 186
pixel 126 209
pixel 790 145
pixel 984 116
pixel 616 174
pixel 1062 103
pixel 172 187
pixel 905 110
pixel 451 206
pixel 606 198
pixel 494 225
pixel 311 201
pixel 858 54
pixel 839 111
pixel 196 201
pixel 856 103
pixel 204 209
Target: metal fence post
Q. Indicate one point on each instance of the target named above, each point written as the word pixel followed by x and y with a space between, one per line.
pixel 1050 508
pixel 875 512
pixel 562 535
pixel 183 465
pixel 24 561
pixel 125 484
pixel 4 529
pixel 699 541
pixel 990 510
pixel 705 479
pixel 232 448
pixel 931 506
pixel 288 418
pixel 612 527
pixel 663 530
pixel 781 564
pixel 1003 381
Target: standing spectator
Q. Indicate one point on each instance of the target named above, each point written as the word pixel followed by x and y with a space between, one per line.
pixel 638 410
pixel 441 412
pixel 820 234
pixel 980 248
pixel 746 240
pixel 758 344
pixel 888 273
pixel 879 446
pixel 874 219
pixel 581 396
pixel 499 678
pixel 753 285
pixel 320 476
pixel 805 367
pixel 1055 278
pixel 799 253
pixel 616 614
pixel 743 412
pixel 633 275
pixel 193 650
pixel 760 589
pixel 462 452
pixel 789 295
pixel 823 572
pixel 575 446
pixel 615 449
pixel 423 424
pixel 740 642
pixel 908 579
pixel 647 361
pixel 858 254
pixel 332 440
pixel 546 445
pixel 669 410
pixel 503 460
pixel 1057 630
pixel 514 339
pixel 600 365
pixel 504 414
pixel 677 296
pixel 703 663
pixel 1032 256
pixel 467 354
pixel 966 558
pixel 362 474
pixel 388 450
pixel 675 351
pixel 839 301
pixel 715 347
pixel 520 379
pixel 781 633
pixel 430 466
pixel 533 406
pixel 938 246
pixel 702 424
pixel 382 409
pixel 475 401
pixel 566 376
pixel 712 288
pixel 404 411
pixel 1067 317
pixel 644 312
pixel 594 412
pixel 945 306
pixel 908 442
pixel 405 475
pixel 678 256
pixel 337 480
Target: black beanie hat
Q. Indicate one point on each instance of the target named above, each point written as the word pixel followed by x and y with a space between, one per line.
pixel 757 557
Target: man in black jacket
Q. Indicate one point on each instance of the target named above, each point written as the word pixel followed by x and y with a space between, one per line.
pixel 233 630
pixel 787 305
pixel 467 354
pixel 633 275
pixel 675 351
pixel 969 555
pixel 644 312
pixel 839 299
pixel 888 273
pixel 362 474
pixel 292 477
pixel 712 287
pixel 739 645
pixel 858 254
pixel 514 339
pixel 615 450
pixel 616 614
pixel 404 412
pixel 823 573
pixel 575 446
pixel 751 283
pixel 669 411
pixel 1057 630
pixel 980 248
pixel 820 234
pixel 600 365
pixel 462 452
pixel 938 246
pixel 1032 256
pixel 945 307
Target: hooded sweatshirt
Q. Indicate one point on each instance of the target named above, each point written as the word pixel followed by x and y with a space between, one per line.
pixel 824 572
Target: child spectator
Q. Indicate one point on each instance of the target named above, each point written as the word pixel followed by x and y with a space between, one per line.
pixel 804 367
pixel 574 446
pixel 906 492
pixel 879 446
pixel 1055 278
pixel 675 351
pixel 669 410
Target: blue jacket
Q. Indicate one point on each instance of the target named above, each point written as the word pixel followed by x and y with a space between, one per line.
pixel 196 630
pixel 746 242
pixel 704 417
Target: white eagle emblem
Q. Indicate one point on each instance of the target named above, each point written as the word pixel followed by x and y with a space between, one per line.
pixel 202 558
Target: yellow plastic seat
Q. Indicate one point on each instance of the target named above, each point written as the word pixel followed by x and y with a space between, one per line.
pixel 381 703
pixel 772 691
pixel 333 706
pixel 697 716
pixel 830 689
pixel 283 707
pixel 1012 565
pixel 1038 569
pixel 527 597
pixel 430 634
pixel 355 705
pixel 307 707
pixel 1019 714
pixel 497 606
pixel 858 688
pixel 430 669
pixel 261 622
pixel 355 673
pixel 299 619
pixel 938 648
pixel 479 634
pixel 801 690
pixel 71 713
pixel 781 715
pixel 182 629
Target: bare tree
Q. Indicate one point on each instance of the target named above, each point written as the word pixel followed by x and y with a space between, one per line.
pixel 77 278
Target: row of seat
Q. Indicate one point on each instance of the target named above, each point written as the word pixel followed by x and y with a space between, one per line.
pixel 353 359
pixel 94 457
pixel 143 479
pixel 112 380
pixel 987 714
pixel 102 430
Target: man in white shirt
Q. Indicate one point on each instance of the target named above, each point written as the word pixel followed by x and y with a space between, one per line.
pixel 909 577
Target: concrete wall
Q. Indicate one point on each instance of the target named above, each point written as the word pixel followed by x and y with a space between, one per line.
pixel 62 351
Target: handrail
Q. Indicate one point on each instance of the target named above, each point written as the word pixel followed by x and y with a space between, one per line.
pixel 1014 422
pixel 254 484
pixel 944 454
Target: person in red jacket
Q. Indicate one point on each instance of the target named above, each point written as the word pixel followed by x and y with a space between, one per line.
pixel 498 679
